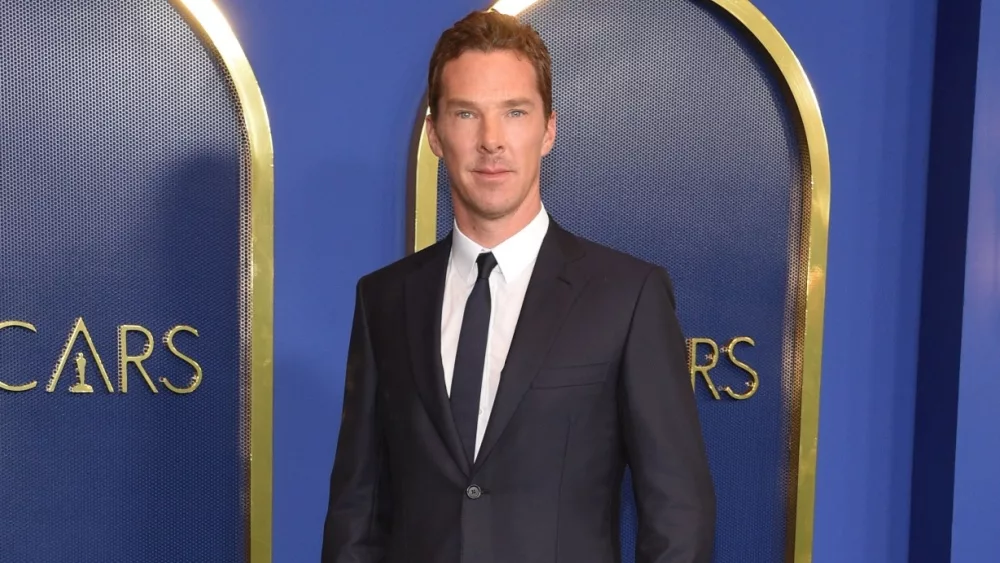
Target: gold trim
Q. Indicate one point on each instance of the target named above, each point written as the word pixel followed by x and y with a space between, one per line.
pixel 425 202
pixel 219 35
pixel 819 221
pixel 425 219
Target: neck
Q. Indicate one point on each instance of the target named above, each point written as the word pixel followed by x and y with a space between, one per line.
pixel 489 233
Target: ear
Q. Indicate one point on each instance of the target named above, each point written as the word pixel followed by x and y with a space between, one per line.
pixel 432 136
pixel 550 134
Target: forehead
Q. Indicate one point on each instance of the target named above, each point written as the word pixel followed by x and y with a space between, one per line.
pixel 477 74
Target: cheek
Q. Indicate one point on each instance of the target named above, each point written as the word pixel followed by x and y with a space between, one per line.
pixel 527 139
pixel 459 147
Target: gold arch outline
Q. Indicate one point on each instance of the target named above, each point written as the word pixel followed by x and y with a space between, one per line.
pixel 422 232
pixel 212 27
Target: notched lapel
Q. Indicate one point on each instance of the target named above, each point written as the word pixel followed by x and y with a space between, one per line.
pixel 424 295
pixel 552 290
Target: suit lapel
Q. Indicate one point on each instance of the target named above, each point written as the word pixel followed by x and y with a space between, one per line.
pixel 551 292
pixel 424 295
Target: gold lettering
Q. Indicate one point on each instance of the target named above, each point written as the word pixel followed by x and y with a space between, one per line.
pixel 124 359
pixel 695 368
pixel 81 362
pixel 754 382
pixel 27 386
pixel 168 338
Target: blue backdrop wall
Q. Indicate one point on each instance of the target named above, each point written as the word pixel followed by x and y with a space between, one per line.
pixel 343 82
pixel 977 452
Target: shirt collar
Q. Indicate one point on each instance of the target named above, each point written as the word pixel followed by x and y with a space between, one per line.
pixel 513 255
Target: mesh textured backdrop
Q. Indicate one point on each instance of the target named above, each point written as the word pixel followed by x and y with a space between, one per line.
pixel 122 201
pixel 676 145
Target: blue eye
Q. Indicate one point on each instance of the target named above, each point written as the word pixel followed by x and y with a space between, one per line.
pixel 517 113
pixel 464 114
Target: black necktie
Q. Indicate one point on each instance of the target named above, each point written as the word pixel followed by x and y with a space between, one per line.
pixel 467 378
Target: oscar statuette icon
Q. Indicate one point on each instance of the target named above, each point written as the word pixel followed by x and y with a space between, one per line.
pixel 81 385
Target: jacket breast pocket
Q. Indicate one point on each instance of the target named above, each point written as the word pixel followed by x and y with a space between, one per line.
pixel 571 376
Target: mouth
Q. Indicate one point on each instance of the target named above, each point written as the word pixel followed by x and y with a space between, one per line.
pixel 491 172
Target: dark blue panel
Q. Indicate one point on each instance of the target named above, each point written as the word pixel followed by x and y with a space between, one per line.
pixel 120 203
pixel 675 145
pixel 935 418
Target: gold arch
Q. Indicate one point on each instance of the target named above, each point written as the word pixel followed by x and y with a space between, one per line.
pixel 206 18
pixel 423 233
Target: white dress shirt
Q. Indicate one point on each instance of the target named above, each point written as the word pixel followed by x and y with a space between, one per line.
pixel 508 282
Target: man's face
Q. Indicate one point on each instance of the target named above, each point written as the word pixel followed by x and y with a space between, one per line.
pixel 491 132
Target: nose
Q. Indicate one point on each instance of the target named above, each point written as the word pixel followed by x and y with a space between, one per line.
pixel 490 135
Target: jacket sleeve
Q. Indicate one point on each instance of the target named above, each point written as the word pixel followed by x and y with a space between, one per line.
pixel 674 494
pixel 357 520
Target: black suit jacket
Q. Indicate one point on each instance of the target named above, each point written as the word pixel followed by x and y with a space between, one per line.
pixel 596 378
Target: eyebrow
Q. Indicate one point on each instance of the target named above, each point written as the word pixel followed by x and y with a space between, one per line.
pixel 514 102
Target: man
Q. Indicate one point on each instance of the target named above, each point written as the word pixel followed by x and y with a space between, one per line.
pixel 499 381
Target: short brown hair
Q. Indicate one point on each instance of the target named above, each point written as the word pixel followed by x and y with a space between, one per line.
pixel 490 31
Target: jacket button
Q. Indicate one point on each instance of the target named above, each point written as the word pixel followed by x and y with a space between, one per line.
pixel 474 492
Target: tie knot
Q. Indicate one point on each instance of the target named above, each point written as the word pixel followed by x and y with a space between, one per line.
pixel 486 262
